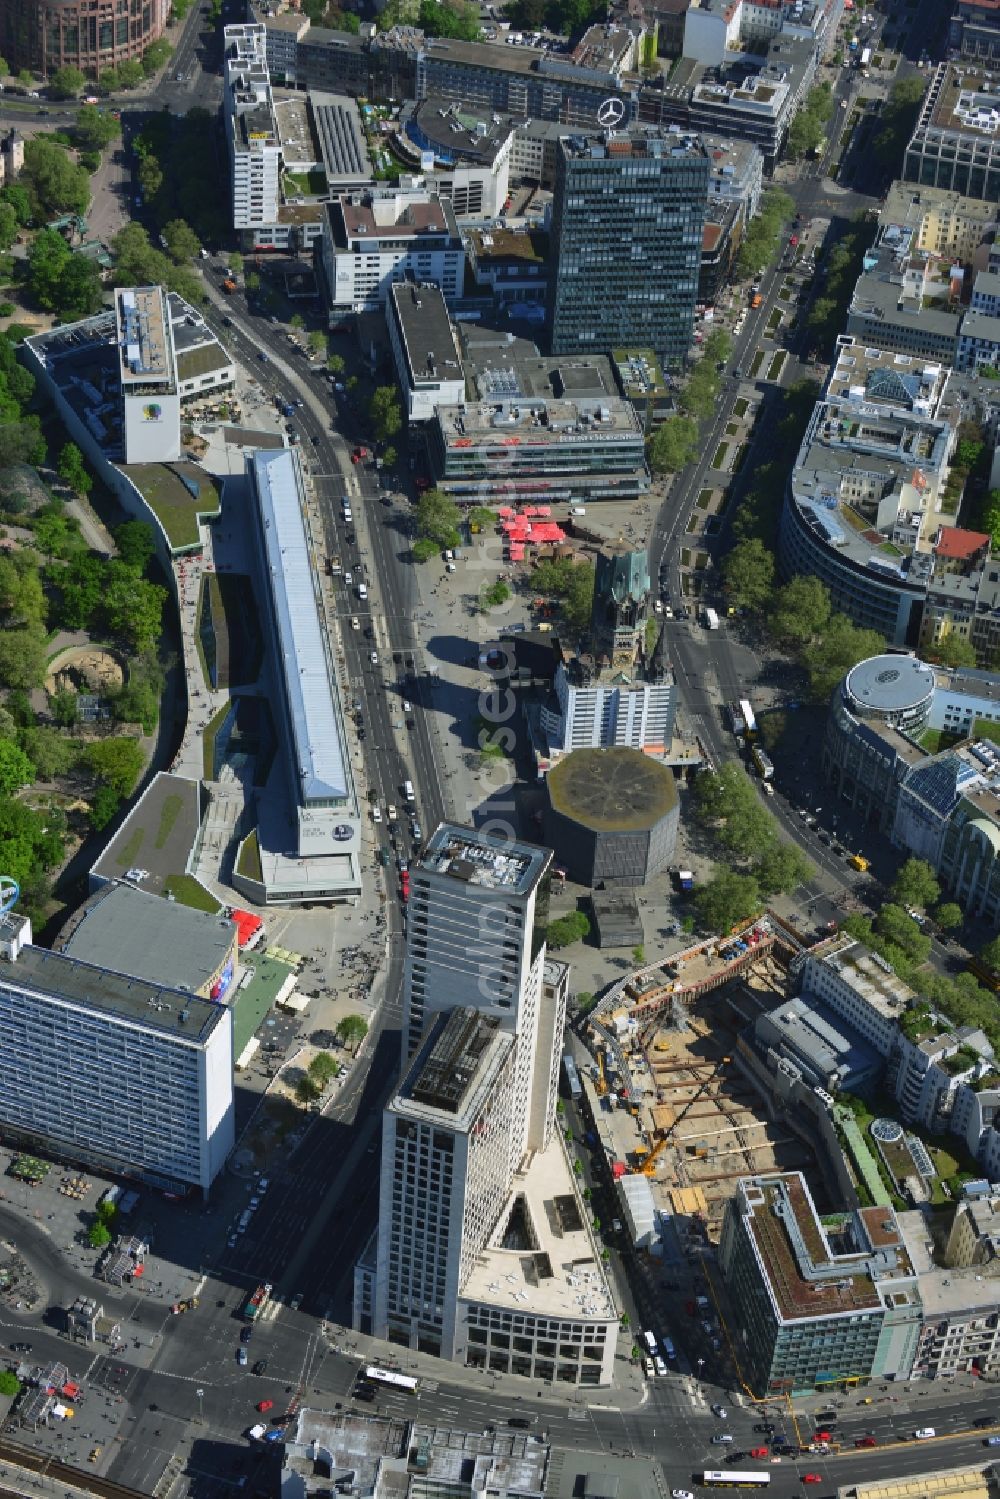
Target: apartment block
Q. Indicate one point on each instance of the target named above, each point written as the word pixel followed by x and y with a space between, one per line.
pixel 149 1089
pixel 252 137
pixel 960 1329
pixel 371 240
pixel 818 1304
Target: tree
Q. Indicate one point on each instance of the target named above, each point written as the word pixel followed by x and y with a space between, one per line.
pixel 26 77
pixel 22 657
pixel 104 805
pixel 989 955
pixel 71 470
pixel 323 1068
pixel 64 709
pixel 389 456
pixel 566 930
pixel 50 751
pixel 16 195
pixel 673 445
pixel 830 657
pixel 801 610
pixel 916 884
pixel 130 74
pixel 10 1385
pixel 94 129
pixel 4 67
pixel 317 340
pixel 131 607
pixel 236 262
pixel 727 899
pixel 948 916
pixel 117 762
pixel 107 1213
pixel 98 1235
pixel 150 176
pixel 61 281
pixel 781 867
pixel 136 544
pixel 155 55
pixel 16 770
pixel 8 226
pixel 352 1030
pixel 901 931
pixel 748 573
pixel 384 412
pixel 66 83
pixel 335 364
pixel 54 183
pixel 638 954
pixel 438 520
pixel 494 596
pixel 952 650
pixel 182 242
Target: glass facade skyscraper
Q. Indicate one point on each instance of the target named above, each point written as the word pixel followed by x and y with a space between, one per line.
pixel 628 217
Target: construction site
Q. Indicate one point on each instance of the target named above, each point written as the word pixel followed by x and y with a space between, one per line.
pixel 669 1103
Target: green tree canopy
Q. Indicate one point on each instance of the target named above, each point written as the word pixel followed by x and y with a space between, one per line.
pixel 916 884
pixel 118 762
pixel 71 469
pixel 760 241
pixel 10 1385
pixel 182 242
pixel 673 445
pixel 16 770
pixel 383 409
pixel 352 1030
pixel 95 129
pixel 831 655
pixel 136 544
pixel 437 520
pixel 748 573
pixel 948 916
pixel 990 955
pixel 60 281
pixel 67 82
pixel 53 181
pixel 23 657
pixel 726 899
pixel 801 610
pixel 98 1235
pixel 566 930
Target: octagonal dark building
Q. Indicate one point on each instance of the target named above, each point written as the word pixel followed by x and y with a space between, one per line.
pixel 611 817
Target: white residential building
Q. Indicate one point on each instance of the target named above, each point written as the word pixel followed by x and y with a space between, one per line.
pixel 599 710
pixel 130 1077
pixel 252 135
pixel 424 348
pixel 371 239
pixel 859 987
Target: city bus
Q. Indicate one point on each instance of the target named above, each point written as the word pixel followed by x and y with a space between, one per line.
pixel 748 718
pixel 764 763
pixel 735 1480
pixel 391 1377
pixel 572 1077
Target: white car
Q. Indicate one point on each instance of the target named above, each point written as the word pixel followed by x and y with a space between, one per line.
pixel 720 1411
pixel 376 814
pixel 407 707
pixel 374 658
pixel 681 1494
pixel 924 1433
pixel 390 813
pixel 362 591
pixel 349 578
pixel 355 622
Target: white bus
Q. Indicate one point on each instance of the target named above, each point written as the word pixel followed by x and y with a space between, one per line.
pixel 737 1480
pixel 650 1341
pixel 390 1377
pixel 749 720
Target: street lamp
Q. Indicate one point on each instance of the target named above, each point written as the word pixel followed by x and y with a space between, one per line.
pixel 201 1407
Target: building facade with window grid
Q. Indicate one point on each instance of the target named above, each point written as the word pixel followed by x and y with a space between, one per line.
pixel 127 1076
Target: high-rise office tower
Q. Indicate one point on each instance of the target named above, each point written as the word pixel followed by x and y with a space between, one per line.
pixel 471 941
pixel 479 1225
pixel 628 215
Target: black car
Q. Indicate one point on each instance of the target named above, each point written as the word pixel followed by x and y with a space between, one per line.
pixel 764 1426
pixel 260 1366
pixel 980 1421
pixel 519 1421
pixel 246 1333
pixel 26 1348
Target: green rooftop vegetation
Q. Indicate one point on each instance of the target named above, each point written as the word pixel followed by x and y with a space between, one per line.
pixel 186 889
pixel 174 505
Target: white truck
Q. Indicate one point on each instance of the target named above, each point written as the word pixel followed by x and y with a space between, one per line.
pixel 866 56
pixel 710 619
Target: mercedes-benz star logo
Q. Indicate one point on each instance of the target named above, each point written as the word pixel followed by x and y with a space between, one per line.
pixel 611 113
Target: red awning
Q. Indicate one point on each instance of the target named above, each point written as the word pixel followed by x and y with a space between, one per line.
pixel 246 925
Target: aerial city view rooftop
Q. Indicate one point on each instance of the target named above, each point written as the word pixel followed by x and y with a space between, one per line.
pixel 499 748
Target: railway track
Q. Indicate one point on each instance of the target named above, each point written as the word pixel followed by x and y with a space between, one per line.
pixel 50 1467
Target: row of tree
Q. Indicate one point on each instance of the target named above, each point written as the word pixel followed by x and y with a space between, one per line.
pixel 759 863
pixel 179 172
pixel 675 442
pixel 807 131
pixel 764 232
